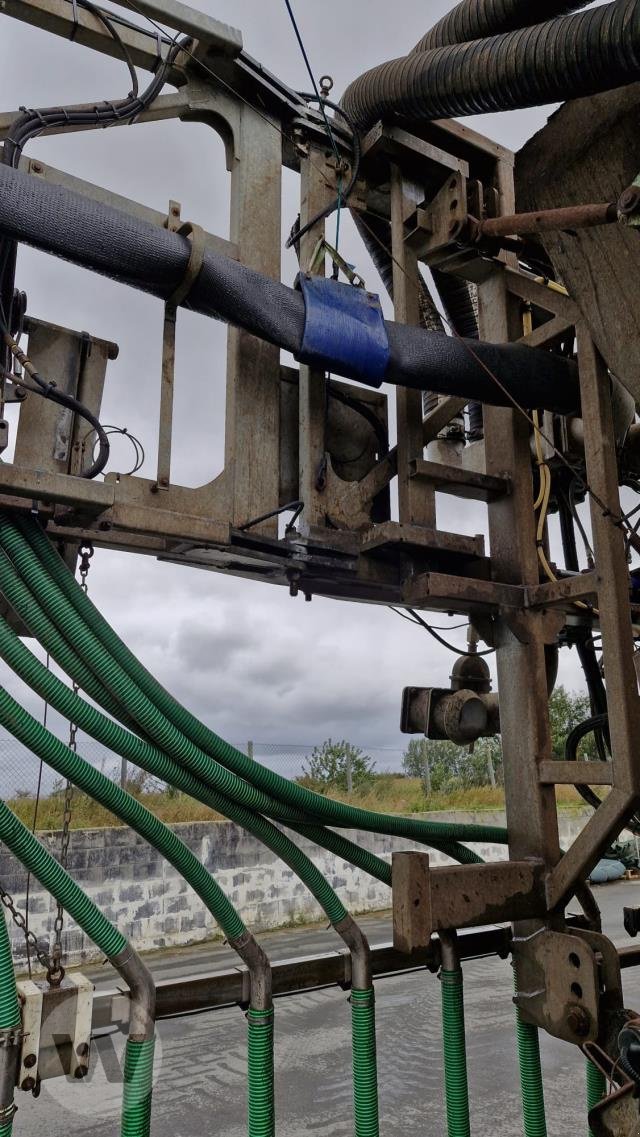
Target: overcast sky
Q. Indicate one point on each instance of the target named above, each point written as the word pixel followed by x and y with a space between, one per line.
pixel 251 661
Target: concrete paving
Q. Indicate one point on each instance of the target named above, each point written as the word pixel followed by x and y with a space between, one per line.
pixel 201 1067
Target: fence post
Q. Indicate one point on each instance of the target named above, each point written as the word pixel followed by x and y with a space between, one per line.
pixel 427 771
pixel 349 769
pixel 250 750
pixel 124 773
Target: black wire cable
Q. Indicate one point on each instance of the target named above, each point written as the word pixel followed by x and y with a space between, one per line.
pixel 109 24
pixel 432 632
pixel 48 390
pixel 312 77
pixel 343 195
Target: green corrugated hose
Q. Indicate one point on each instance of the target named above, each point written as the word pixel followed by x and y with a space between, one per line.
pixel 41 742
pixel 141 752
pixel 10 1016
pixel 284 848
pixel 51 750
pixel 533 1109
pixel 28 850
pixel 365 1097
pixel 137 1088
pixel 260 1064
pixel 596 1087
pixel 144 754
pixel 211 772
pixel 319 807
pixel 455 1054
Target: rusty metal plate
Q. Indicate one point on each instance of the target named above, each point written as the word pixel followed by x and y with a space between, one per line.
pixel 562 991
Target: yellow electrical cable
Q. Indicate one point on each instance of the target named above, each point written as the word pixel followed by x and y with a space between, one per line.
pixel 544 493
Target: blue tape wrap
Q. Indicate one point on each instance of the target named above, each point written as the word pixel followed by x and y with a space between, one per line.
pixel 344 330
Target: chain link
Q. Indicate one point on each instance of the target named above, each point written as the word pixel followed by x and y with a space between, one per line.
pixel 55 973
pixel 43 957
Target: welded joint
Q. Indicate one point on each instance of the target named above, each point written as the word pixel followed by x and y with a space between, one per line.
pixel 257 990
pixel 360 953
pixel 449 954
pixel 139 979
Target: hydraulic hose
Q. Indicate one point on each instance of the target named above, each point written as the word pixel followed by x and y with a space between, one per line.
pixel 533 1109
pixel 10 1038
pixel 565 58
pixel 365 1098
pixel 143 754
pixel 145 256
pixel 30 732
pixel 453 1039
pixel 71 766
pixel 215 777
pixel 596 1088
pixel 57 590
pixel 138 1071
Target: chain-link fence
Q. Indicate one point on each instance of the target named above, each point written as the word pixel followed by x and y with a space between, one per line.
pixel 293 760
pixel 21 774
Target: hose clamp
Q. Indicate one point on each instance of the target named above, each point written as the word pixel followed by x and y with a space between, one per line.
pixel 344 330
pixel 194 265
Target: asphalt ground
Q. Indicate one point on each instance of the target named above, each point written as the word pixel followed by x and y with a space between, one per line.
pixel 201 1061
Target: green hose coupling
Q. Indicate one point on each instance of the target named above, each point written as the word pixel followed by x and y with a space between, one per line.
pixel 261 1104
pixel 455 1054
pixel 365 1067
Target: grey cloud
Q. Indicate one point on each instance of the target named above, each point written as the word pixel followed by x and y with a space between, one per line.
pixel 251 661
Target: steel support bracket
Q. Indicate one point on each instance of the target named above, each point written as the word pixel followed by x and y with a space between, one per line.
pixel 427 900
pixel 562 994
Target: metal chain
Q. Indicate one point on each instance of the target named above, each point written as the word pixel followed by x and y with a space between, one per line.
pixel 55 973
pixel 43 957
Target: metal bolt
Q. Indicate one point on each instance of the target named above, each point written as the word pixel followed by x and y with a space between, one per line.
pixel 36 167
pixel 30 1060
pixel 82 1050
pixel 579 1021
pixel 629 200
pixel 28 1084
pixel 81 1072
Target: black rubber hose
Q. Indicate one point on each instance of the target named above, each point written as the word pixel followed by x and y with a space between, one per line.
pixel 566 58
pixel 154 260
pixel 472 20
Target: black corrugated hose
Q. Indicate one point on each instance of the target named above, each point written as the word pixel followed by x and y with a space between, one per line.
pixel 152 259
pixel 477 19
pixel 564 58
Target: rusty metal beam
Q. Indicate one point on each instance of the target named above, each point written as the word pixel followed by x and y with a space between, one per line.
pixel 554 772
pixel 427 900
pixel 545 220
pixel 564 592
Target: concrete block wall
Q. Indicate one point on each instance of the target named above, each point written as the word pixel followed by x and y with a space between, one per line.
pixel 151 904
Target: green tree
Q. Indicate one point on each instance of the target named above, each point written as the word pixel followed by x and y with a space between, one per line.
pixel 339 765
pixel 566 710
pixel 442 766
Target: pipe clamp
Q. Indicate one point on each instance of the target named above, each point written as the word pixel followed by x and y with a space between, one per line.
pixel 344 330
